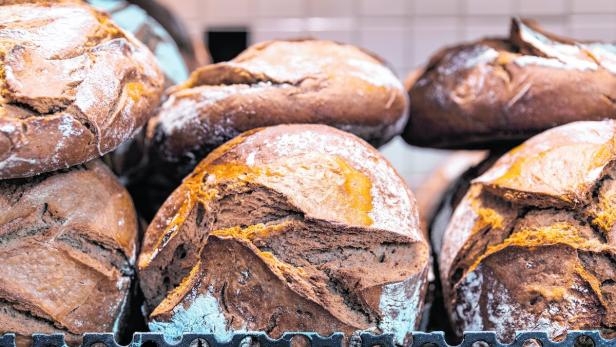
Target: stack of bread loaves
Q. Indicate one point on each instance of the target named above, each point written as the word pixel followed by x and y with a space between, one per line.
pixel 284 228
pixel 73 86
pixel 288 227
pixel 530 242
pixel 274 82
pixel 271 211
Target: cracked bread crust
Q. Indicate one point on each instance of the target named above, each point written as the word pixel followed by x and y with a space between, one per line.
pixel 66 253
pixel 278 82
pixel 73 86
pixel 531 246
pixel 291 227
pixel 496 91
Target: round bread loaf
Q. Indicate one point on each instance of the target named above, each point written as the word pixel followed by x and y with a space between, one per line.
pixel 496 91
pixel 532 244
pixel 278 82
pixel 287 228
pixel 73 86
pixel 67 250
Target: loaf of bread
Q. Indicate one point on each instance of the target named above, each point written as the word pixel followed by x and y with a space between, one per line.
pixel 531 246
pixel 67 250
pixel 278 82
pixel 287 228
pixel 497 91
pixel 73 86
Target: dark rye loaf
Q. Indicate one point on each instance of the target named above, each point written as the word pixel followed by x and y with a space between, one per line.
pixel 532 244
pixel 67 249
pixel 73 86
pixel 278 82
pixel 287 228
pixel 496 91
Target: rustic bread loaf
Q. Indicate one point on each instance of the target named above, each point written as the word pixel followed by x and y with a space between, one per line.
pixel 287 228
pixel 497 91
pixel 67 249
pixel 278 82
pixel 73 86
pixel 531 246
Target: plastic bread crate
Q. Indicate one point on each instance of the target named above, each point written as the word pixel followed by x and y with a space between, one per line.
pixel 261 339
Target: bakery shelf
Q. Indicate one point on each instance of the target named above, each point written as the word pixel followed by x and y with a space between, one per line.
pixel 420 339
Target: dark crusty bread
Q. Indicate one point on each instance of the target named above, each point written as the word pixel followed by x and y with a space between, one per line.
pixel 73 86
pixel 292 227
pixel 532 244
pixel 278 82
pixel 496 91
pixel 67 249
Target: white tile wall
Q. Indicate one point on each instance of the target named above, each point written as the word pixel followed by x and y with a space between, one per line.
pixel 488 7
pixel 329 8
pixel 436 7
pixel 593 6
pixel 386 40
pixel 542 7
pixel 382 7
pixel 224 9
pixel 186 9
pixel 404 32
pixel 264 29
pixel 428 34
pixel 385 36
pixel 476 27
pixel 594 26
pixel 280 8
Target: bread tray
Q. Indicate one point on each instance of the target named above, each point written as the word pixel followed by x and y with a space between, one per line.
pixel 420 339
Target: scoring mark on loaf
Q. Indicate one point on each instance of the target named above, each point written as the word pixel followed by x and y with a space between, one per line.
pixel 317 255
pixel 490 305
pixel 346 192
pixel 299 268
pixel 560 301
pixel 534 248
pixel 385 199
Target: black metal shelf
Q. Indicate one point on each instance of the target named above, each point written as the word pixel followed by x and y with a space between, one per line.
pixel 420 339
